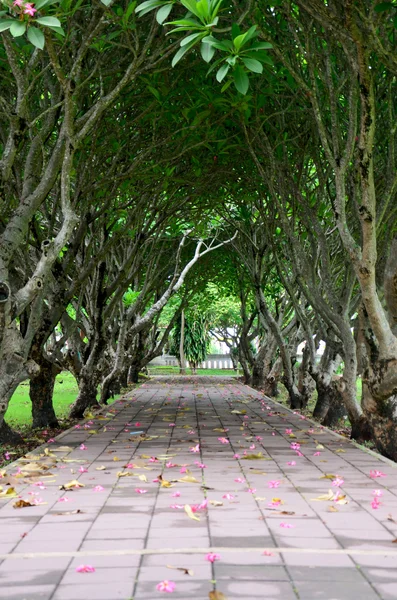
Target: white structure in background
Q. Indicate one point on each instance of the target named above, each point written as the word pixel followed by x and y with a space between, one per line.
pixel 213 361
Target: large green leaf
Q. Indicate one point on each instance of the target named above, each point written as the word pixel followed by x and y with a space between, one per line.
pixel 148 5
pixel 222 72
pixel 207 51
pixel 163 13
pixel 49 21
pixel 36 37
pixel 4 25
pixel 253 65
pixel 17 29
pixel 241 80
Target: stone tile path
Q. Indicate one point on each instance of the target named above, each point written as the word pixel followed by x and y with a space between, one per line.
pixel 201 434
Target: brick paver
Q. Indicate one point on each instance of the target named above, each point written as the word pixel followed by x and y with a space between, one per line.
pixel 330 550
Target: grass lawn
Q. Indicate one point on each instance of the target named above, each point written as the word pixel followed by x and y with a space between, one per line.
pixel 175 371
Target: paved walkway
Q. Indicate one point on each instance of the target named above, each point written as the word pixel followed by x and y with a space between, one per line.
pixel 212 440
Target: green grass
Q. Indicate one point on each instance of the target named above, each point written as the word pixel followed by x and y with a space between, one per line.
pixel 19 411
pixel 175 371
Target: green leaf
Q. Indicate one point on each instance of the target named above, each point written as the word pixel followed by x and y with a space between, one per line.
pixel 17 29
pixel 261 46
pixel 58 30
pixel 191 6
pixel 227 84
pixel 242 39
pixel 147 6
pixel 235 30
pixel 163 13
pixel 190 38
pixel 226 45
pixel 384 6
pixel 4 25
pixel 36 37
pixel 49 21
pixel 241 80
pixel 181 52
pixel 222 72
pixel 185 23
pixel 253 65
pixel 207 51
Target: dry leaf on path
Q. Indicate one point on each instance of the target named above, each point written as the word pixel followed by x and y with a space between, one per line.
pixel 258 456
pixel 216 596
pixel 63 449
pixel 22 504
pixel 71 485
pixel 328 476
pixel 216 503
pixel 8 493
pixel 69 512
pixel 124 474
pixel 188 479
pixel 190 513
pixel 102 468
pixel 183 569
pixel 142 478
pixel 326 497
pixel 332 508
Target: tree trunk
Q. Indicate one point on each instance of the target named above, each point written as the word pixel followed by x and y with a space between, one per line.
pixel 306 383
pixel 270 387
pixel 87 396
pixel 133 373
pixel 182 358
pixel 41 392
pixel 329 407
pixel 9 436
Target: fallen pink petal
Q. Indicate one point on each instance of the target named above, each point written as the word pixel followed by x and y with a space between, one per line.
pixel 140 491
pixel 166 586
pixel 287 525
pixel 83 447
pixel 85 569
pixel 212 557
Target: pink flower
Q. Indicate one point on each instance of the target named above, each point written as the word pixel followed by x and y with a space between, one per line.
pixel 64 499
pixel 273 433
pixel 191 432
pixel 172 425
pixel 183 470
pixel 286 525
pixel 153 459
pixel 298 453
pixel 83 470
pixel 375 474
pixel 375 503
pixel 239 480
pixel 166 586
pixel 274 503
pixel 252 447
pixel 310 431
pixel 83 447
pixel 176 494
pixel 195 449
pixel 138 424
pixel 7 455
pixel 295 446
pixel 317 454
pixel 212 557
pixel 17 3
pixel 267 553
pixel 288 431
pixel 291 463
pixel 85 569
pixel 169 465
pixel 200 465
pixel 274 484
pixel 251 490
pixel 50 441
pixel 337 482
pixel 223 440
pixel 98 488
pixel 258 438
pixel 77 426
pixel 139 491
pixel 29 10
pixel 180 506
pixel 236 456
pixel 377 493
pixel 228 496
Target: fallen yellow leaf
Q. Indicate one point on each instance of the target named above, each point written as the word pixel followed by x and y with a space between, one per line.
pixel 325 497
pixel 8 493
pixel 101 468
pixel 190 513
pixel 74 484
pixel 215 595
pixel 188 479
